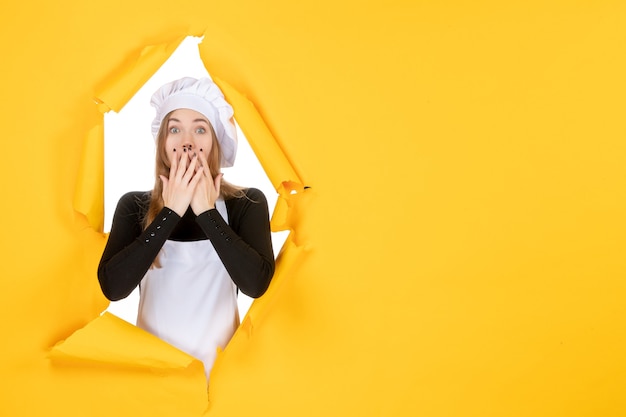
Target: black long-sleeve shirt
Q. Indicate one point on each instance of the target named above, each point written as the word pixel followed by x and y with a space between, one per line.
pixel 243 244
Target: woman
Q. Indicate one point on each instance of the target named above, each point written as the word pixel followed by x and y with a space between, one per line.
pixel 195 239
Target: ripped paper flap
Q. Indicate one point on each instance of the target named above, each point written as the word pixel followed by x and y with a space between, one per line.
pixel 111 340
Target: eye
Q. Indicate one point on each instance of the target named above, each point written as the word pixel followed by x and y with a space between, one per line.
pixel 174 130
pixel 200 130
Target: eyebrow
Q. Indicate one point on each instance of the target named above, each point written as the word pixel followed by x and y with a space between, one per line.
pixel 173 119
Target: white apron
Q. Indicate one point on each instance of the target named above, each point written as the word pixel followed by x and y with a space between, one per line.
pixel 188 299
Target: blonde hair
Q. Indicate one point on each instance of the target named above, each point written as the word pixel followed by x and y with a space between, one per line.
pixel 162 167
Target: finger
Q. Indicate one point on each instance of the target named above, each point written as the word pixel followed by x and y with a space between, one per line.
pixel 202 161
pixel 198 176
pixel 182 164
pixel 174 163
pixel 206 169
pixel 165 182
pixel 218 183
pixel 191 170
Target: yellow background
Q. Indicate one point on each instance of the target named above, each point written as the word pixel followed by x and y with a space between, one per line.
pixel 460 250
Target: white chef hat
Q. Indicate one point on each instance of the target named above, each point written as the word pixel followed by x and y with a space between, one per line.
pixel 205 97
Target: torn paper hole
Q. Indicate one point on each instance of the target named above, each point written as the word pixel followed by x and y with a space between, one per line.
pixel 129 156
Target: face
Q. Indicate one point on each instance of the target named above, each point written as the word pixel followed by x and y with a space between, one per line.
pixel 188 132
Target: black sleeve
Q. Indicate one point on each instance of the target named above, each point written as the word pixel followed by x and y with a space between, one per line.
pixel 244 246
pixel 129 251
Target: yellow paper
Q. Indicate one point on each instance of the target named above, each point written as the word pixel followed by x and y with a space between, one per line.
pixel 88 196
pixel 111 340
pixel 121 86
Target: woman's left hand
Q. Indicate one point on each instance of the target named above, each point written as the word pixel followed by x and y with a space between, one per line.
pixel 207 190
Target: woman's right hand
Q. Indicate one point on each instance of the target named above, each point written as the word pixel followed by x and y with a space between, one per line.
pixel 179 188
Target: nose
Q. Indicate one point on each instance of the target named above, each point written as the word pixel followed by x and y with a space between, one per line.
pixel 187 141
pixel 187 144
pixel 189 147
